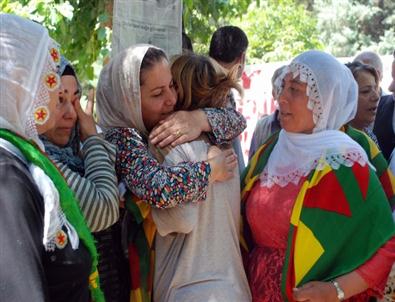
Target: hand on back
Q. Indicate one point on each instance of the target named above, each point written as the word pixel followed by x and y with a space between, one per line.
pixel 223 163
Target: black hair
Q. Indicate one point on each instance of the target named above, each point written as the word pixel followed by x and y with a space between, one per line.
pixel 356 67
pixel 228 43
pixel 186 43
pixel 152 56
pixel 68 70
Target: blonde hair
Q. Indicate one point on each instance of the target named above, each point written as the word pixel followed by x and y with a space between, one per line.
pixel 201 82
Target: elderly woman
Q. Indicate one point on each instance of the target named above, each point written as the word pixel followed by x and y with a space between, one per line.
pixel 47 251
pixel 308 193
pixel 368 97
pixel 136 92
pixel 90 173
pixel 206 232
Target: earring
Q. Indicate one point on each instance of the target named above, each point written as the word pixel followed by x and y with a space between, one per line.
pixel 41 115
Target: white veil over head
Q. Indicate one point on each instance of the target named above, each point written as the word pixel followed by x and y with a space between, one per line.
pixel 28 65
pixel 333 99
pixel 331 87
pixel 118 95
pixel 27 55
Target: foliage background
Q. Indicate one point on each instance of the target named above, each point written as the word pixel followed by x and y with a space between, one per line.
pixel 277 29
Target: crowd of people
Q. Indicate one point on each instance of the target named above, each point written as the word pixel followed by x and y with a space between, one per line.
pixel 153 202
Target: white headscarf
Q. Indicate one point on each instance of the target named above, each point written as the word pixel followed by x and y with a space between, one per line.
pixel 333 99
pixel 27 57
pixel 118 92
pixel 25 61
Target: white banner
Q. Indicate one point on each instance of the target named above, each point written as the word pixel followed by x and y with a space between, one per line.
pixel 156 22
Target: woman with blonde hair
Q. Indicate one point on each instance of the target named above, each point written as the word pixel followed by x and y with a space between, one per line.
pixel 201 82
pixel 135 93
pixel 206 232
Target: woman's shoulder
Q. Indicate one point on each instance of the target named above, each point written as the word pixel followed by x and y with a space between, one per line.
pixel 120 132
pixel 386 101
pixel 17 184
pixel 118 136
pixel 13 167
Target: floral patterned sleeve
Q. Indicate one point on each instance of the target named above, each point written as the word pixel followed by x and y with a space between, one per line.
pixel 160 186
pixel 226 124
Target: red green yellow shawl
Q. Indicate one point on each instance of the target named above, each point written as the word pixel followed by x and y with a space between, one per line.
pixel 141 232
pixel 320 229
pixel 377 159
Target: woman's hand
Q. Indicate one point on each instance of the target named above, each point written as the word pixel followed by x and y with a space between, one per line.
pixel 316 291
pixel 85 118
pixel 179 128
pixel 223 163
pixel 351 283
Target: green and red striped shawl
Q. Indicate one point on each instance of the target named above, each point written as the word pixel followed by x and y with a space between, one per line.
pixel 320 229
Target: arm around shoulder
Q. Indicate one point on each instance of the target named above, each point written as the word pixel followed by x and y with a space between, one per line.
pixel 160 186
pixel 225 123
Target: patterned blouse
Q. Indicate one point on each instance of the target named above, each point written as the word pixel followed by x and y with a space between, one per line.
pixel 165 187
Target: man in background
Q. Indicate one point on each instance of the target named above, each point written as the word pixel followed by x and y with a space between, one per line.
pixel 384 125
pixel 228 47
pixel 186 44
pixel 371 58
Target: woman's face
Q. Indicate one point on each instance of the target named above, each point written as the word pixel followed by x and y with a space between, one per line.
pixel 368 98
pixel 158 95
pixel 294 114
pixel 66 116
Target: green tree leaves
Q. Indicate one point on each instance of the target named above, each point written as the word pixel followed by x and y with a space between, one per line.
pixel 277 29
pixel 79 26
pixel 201 18
pixel 347 27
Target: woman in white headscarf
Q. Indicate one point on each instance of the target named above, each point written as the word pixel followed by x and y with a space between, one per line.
pixel 87 162
pixel 47 251
pixel 319 222
pixel 135 92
